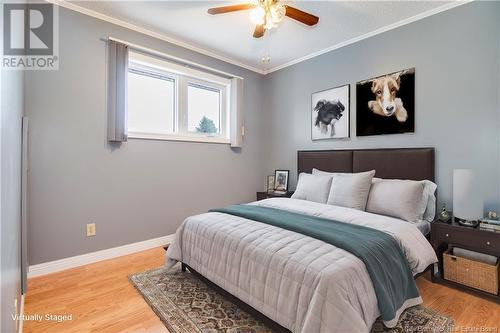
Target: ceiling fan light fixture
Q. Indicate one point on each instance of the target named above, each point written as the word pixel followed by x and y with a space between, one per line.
pixel 269 22
pixel 267 14
pixel 277 12
pixel 257 15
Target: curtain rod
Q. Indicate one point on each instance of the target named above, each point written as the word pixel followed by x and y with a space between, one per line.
pixel 165 56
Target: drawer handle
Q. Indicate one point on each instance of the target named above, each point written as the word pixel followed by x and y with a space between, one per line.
pixel 447 235
pixel 487 243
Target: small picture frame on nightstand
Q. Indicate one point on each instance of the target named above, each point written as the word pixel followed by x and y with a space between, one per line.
pixel 281 181
pixel 270 184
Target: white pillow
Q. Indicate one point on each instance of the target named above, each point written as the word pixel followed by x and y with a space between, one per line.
pixel 398 198
pixel 429 198
pixel 323 173
pixel 427 204
pixel 313 188
pixel 348 189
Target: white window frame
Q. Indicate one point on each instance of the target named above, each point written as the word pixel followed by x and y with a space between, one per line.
pixel 184 76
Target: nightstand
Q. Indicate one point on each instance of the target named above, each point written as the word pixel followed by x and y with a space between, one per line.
pixel 444 235
pixel 267 195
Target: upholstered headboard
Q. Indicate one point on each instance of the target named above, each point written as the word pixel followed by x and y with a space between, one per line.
pixel 397 163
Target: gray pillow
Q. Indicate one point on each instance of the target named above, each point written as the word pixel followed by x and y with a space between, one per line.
pixel 350 189
pixel 313 188
pixel 427 206
pixel 396 198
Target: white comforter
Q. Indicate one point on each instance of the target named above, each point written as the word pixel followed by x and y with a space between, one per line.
pixel 302 283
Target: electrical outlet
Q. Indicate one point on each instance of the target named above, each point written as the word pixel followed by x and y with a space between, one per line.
pixel 90 229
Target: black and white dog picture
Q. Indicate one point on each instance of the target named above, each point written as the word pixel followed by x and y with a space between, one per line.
pixel 330 114
pixel 386 104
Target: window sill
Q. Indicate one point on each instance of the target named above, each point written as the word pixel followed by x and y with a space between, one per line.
pixel 182 138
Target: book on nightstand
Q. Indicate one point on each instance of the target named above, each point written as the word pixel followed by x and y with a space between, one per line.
pixel 489 221
pixel 489 225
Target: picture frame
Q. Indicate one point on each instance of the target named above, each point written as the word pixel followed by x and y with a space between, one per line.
pixel 330 113
pixel 270 183
pixel 385 104
pixel 281 180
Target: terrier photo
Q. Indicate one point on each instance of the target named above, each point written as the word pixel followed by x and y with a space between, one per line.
pixel 385 104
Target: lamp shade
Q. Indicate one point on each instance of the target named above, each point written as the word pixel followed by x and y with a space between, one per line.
pixel 467 200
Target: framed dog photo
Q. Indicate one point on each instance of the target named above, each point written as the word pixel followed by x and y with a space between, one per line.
pixel 330 114
pixel 386 104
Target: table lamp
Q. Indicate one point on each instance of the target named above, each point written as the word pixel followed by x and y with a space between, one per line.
pixel 467 200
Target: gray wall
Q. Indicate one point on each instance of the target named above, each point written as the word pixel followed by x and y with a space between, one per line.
pixel 456 55
pixel 145 188
pixel 10 200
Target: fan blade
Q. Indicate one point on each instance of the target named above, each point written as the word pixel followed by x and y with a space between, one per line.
pixel 259 31
pixel 301 16
pixel 228 9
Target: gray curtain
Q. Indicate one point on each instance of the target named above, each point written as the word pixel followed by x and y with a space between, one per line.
pixel 236 113
pixel 117 91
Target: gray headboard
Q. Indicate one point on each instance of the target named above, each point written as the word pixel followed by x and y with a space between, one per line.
pixel 397 163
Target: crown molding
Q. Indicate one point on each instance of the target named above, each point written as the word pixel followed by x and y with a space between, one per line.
pixel 379 31
pixel 168 39
pixel 163 37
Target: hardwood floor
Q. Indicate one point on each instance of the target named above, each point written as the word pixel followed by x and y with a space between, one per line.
pixel 100 299
pixel 471 313
pixel 99 296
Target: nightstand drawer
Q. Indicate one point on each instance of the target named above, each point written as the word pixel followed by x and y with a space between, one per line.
pixel 453 236
pixel 473 238
pixel 489 241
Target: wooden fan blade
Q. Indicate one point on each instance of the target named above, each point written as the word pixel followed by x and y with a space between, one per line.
pixel 301 16
pixel 259 31
pixel 228 9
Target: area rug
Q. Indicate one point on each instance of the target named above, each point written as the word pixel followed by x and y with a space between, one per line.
pixel 186 304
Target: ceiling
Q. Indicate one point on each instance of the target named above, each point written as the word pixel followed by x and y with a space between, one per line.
pixel 229 36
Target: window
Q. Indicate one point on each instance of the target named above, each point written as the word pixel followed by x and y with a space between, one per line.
pixel 204 109
pixel 173 102
pixel 151 102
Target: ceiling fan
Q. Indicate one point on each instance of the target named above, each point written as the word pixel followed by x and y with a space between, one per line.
pixel 266 14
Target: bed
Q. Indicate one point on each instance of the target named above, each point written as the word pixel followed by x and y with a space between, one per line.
pixel 302 283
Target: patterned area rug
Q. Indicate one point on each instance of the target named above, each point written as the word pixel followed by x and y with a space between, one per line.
pixel 186 304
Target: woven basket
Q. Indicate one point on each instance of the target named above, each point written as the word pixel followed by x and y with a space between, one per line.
pixel 471 273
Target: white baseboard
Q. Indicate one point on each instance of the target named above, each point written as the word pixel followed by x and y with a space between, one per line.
pixel 88 258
